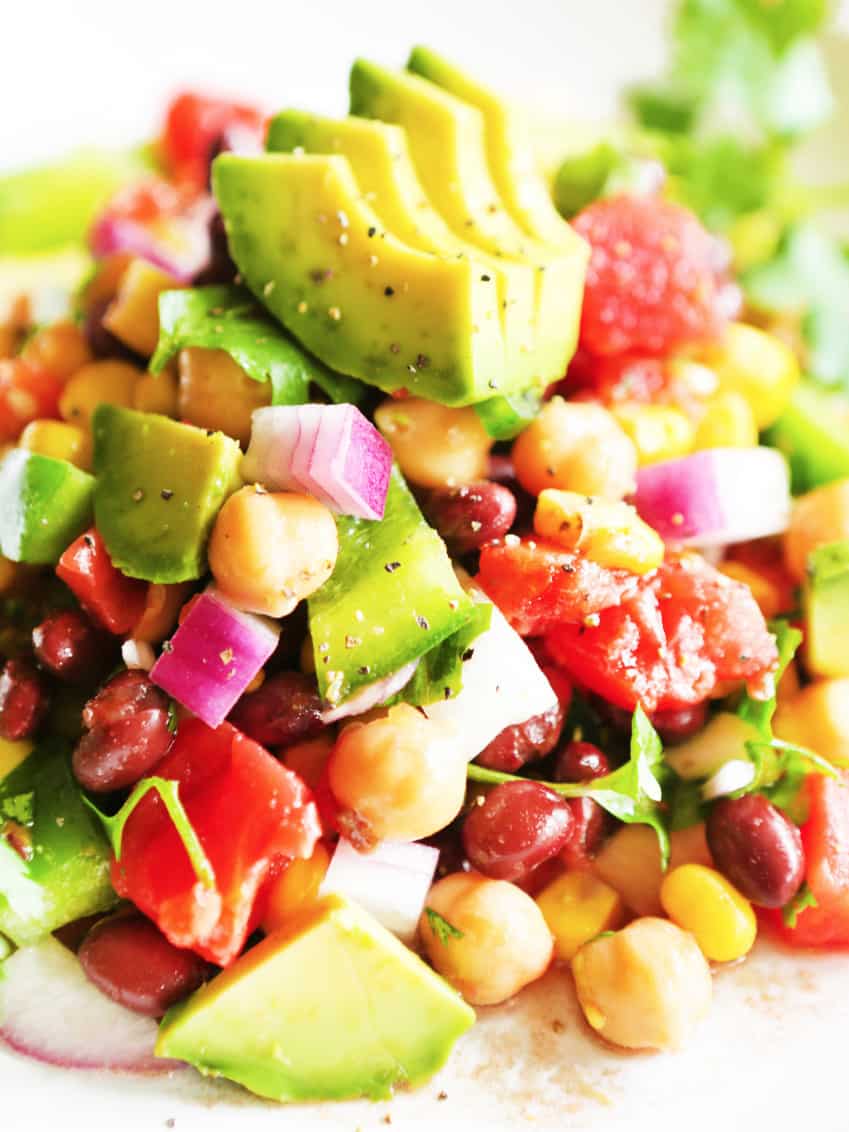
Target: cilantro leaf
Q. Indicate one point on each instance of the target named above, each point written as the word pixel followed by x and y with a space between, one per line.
pixel 803 899
pixel 441 928
pixel 168 791
pixel 760 712
pixel 172 723
pixel 19 808
pixel 228 318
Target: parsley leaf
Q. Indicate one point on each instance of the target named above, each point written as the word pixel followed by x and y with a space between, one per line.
pixel 19 808
pixel 172 723
pixel 803 899
pixel 441 928
pixel 760 712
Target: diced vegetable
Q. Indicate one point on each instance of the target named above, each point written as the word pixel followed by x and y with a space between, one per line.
pixel 178 244
pixel 812 433
pixel 109 597
pixel 213 657
pixel 826 599
pixel 373 695
pixel 716 497
pixel 44 504
pixel 391 882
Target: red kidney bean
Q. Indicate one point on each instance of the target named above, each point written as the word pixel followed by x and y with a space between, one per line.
pixel 676 726
pixel 69 646
pixel 284 710
pixel 471 515
pixel 579 762
pixel 23 699
pixel 518 826
pixel 535 738
pixel 130 960
pixel 129 734
pixel 589 826
pixel 757 848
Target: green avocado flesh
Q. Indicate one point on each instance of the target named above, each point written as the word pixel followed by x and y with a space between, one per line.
pixel 826 601
pixel 331 1007
pixel 160 485
pixel 314 252
pixel 392 597
pixel 44 505
pixel 67 874
pixel 813 433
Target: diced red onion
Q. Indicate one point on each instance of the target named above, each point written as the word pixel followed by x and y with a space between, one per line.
pixel 214 655
pixel 179 245
pixel 391 883
pixel 716 497
pixel 270 455
pixel 309 422
pixel 51 1012
pixel 502 685
pixel 372 695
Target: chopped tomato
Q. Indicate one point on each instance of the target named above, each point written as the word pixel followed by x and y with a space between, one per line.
pixel 250 814
pixel 655 277
pixel 27 393
pixel 825 836
pixel 537 585
pixel 109 597
pixel 194 126
pixel 624 377
pixel 686 633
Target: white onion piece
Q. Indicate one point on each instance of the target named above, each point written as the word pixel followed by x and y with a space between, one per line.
pixel 391 882
pixel 736 774
pixel 502 685
pixel 51 1012
pixel 138 654
pixel 716 497
pixel 372 695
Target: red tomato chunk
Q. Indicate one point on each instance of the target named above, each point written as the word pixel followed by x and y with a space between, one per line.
pixel 250 814
pixel 110 598
pixel 195 125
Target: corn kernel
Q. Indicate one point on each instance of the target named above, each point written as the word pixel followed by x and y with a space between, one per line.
pixel 133 315
pixel 294 888
pixel 609 532
pixel 107 382
pixel 60 349
pixel 629 862
pixel 703 902
pixel 156 393
pixel 756 364
pixel 728 422
pixel 818 717
pixel 765 590
pixel 659 432
pixel 12 754
pixel 60 440
pixel 161 609
pixel 577 906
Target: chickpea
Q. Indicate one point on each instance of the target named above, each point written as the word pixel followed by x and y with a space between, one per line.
pixel 630 863
pixel 60 349
pixel 505 942
pixel 268 551
pixel 216 393
pixel 397 774
pixel 645 987
pixel 435 446
pixel 576 446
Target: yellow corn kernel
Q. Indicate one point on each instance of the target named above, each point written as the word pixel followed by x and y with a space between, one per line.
pixel 294 888
pixel 607 531
pixel 728 422
pixel 156 393
pixel 756 364
pixel 133 315
pixel 818 717
pixel 107 382
pixel 659 432
pixel 8 574
pixel 701 901
pixel 629 862
pixel 161 610
pixel 12 754
pixel 766 592
pixel 577 906
pixel 216 393
pixel 60 440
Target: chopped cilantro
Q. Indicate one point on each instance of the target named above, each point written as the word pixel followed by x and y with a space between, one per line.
pixel 441 928
pixel 803 899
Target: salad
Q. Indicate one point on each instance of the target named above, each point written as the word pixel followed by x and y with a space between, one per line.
pixel 416 573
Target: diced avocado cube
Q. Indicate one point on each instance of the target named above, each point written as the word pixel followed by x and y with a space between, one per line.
pixel 813 433
pixel 44 505
pixel 332 1006
pixel 160 485
pixel 54 859
pixel 826 601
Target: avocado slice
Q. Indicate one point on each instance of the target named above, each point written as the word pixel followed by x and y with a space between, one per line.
pixel 813 433
pixel 44 505
pixel 826 604
pixel 383 166
pixel 160 485
pixel 330 1007
pixel 63 873
pixel 316 254
pixel 512 161
pixel 447 141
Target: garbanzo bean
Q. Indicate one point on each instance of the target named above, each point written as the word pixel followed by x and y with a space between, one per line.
pixel 820 517
pixel 109 382
pixel 396 774
pixel 216 393
pixel 575 446
pixel 499 943
pixel 60 349
pixel 435 446
pixel 268 551
pixel 645 987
